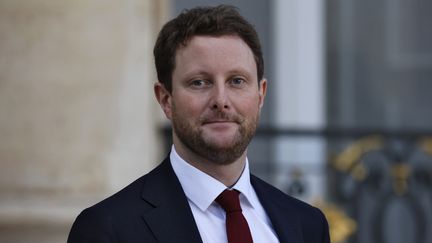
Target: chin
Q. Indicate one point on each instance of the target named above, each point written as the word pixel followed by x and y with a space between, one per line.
pixel 220 144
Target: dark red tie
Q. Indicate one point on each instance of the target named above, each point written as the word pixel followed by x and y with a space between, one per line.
pixel 236 225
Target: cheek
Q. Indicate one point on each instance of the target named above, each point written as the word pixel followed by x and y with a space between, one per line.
pixel 249 104
pixel 189 106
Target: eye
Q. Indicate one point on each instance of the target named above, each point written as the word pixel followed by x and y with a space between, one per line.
pixel 199 83
pixel 238 82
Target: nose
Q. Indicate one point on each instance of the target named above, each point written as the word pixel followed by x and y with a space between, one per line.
pixel 219 99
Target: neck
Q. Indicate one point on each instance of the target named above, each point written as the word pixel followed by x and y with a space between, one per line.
pixel 228 174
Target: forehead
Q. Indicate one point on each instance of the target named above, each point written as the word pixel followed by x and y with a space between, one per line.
pixel 215 53
pixel 223 42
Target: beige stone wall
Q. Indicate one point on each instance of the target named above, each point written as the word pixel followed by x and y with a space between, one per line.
pixel 78 119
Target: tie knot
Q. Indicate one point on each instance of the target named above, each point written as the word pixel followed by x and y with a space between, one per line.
pixel 229 200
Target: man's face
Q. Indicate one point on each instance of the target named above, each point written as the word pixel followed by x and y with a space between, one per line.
pixel 215 101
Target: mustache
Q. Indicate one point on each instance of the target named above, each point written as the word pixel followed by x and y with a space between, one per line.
pixel 221 116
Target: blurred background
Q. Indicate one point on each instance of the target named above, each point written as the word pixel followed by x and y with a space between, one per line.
pixel 347 124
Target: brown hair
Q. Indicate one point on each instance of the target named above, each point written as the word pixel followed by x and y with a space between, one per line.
pixel 204 21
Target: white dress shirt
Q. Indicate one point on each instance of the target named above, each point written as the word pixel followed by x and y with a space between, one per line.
pixel 201 190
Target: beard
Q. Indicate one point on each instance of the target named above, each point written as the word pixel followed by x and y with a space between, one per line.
pixel 191 135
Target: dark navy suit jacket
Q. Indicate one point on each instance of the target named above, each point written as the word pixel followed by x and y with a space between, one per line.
pixel 154 208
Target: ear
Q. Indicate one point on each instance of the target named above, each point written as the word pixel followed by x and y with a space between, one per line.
pixel 262 90
pixel 163 96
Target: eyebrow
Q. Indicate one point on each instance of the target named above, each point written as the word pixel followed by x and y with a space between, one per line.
pixel 241 71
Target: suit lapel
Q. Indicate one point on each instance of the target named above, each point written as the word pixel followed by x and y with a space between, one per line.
pixel 284 219
pixel 171 219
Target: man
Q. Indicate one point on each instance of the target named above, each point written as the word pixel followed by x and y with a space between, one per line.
pixel 210 70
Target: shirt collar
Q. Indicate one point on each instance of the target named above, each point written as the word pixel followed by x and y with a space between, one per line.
pixel 202 189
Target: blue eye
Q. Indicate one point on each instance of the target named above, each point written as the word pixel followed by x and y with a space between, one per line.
pixel 237 81
pixel 198 83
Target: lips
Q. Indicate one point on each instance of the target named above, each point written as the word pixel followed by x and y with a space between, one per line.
pixel 218 121
pixel 220 118
pixel 220 125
